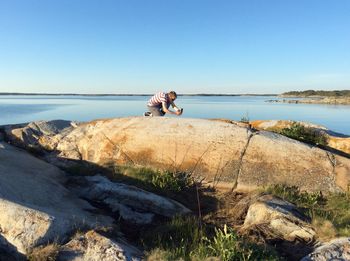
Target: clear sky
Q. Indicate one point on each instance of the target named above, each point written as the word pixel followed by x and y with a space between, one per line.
pixel 204 46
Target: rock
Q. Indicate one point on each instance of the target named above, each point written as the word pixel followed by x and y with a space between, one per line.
pixel 40 134
pixel 35 207
pixel 221 152
pixel 337 249
pixel 335 140
pixel 279 218
pixel 8 252
pixel 133 204
pixel 94 247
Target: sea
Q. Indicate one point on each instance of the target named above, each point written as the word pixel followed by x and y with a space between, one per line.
pixel 27 108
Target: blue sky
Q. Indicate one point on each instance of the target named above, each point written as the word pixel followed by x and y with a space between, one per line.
pixel 142 46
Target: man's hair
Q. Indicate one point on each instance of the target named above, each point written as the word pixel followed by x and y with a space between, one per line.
pixel 173 94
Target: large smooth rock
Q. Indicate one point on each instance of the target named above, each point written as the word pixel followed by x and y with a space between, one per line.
pixel 133 204
pixel 94 247
pixel 335 140
pixel 222 152
pixel 35 207
pixel 337 249
pixel 279 218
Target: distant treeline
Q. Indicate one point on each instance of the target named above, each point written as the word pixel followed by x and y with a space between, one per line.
pixel 130 94
pixel 317 93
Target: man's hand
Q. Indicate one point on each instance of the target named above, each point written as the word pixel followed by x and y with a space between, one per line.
pixel 179 112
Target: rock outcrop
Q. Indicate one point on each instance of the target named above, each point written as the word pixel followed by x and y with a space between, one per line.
pixel 335 140
pixel 221 152
pixel 35 208
pixel 39 134
pixel 131 203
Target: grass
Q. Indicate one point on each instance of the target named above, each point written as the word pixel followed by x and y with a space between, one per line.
pixel 299 132
pixel 146 178
pixel 330 211
pixel 163 182
pixel 44 253
pixel 183 238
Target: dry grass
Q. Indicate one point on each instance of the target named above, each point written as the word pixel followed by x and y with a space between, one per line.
pixel 44 253
pixel 325 229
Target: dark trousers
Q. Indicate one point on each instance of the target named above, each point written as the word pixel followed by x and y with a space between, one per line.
pixel 156 110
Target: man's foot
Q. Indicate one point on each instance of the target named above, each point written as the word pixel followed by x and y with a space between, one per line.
pixel 147 114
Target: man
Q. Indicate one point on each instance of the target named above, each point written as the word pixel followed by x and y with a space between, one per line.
pixel 159 104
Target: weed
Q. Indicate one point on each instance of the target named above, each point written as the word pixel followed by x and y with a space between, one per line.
pixel 183 239
pixel 245 119
pixel 227 245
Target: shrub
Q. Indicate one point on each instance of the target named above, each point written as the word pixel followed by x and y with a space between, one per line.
pixel 299 132
pixel 172 181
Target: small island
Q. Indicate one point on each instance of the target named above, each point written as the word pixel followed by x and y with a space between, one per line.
pixel 336 97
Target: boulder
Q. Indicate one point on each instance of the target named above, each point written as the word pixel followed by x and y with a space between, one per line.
pixel 35 208
pixel 221 152
pixel 337 249
pixel 39 134
pixel 279 219
pixel 93 246
pixel 133 204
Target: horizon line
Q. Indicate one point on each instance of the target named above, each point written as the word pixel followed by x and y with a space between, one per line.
pixel 135 94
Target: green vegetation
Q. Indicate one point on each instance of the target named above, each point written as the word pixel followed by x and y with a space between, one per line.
pixel 164 182
pixel 299 132
pixel 332 209
pixel 345 93
pixel 184 238
pixel 155 180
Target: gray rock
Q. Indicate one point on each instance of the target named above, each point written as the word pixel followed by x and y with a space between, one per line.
pixel 133 204
pixel 40 134
pixel 336 250
pixel 94 247
pixel 35 207
pixel 279 218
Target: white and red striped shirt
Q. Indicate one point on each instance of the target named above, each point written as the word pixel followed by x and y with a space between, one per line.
pixel 158 99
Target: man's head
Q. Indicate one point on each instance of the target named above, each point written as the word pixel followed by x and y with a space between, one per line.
pixel 172 95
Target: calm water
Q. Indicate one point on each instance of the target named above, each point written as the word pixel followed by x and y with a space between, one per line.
pixel 19 109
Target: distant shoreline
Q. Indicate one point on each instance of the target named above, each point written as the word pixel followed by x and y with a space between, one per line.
pixel 121 94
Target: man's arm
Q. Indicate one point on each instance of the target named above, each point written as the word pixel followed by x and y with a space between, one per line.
pixel 174 106
pixel 166 110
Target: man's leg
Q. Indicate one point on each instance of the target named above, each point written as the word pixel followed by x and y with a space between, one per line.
pixel 155 111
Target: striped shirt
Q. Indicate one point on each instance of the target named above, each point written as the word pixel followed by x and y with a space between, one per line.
pixel 158 99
